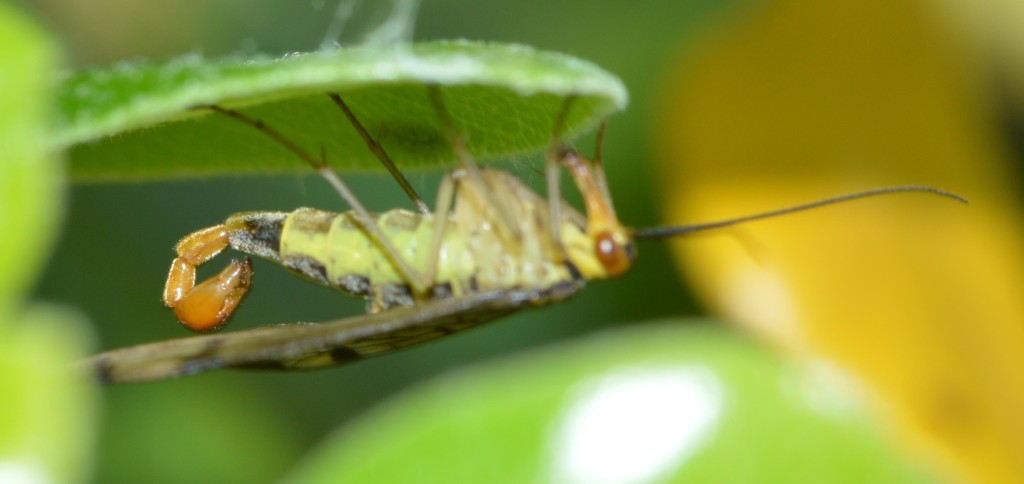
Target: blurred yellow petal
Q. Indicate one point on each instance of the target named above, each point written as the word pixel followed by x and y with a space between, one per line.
pixel 922 299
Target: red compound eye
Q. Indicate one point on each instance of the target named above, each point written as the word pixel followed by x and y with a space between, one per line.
pixel 615 257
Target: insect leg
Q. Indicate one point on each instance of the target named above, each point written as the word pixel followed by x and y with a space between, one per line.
pixel 506 221
pixel 209 305
pixel 381 155
pixel 552 172
pixel 445 197
pixel 416 280
pixel 599 174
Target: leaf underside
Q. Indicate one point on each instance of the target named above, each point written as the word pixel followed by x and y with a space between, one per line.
pixel 141 121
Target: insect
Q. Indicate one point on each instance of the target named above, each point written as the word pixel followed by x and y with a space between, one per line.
pixel 491 247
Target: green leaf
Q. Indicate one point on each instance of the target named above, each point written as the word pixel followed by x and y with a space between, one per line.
pixel 30 194
pixel 673 402
pixel 47 411
pixel 137 121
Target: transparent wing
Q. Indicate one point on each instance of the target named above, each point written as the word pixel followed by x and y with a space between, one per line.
pixel 306 346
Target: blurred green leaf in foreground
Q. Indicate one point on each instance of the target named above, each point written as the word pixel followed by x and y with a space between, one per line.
pixel 47 410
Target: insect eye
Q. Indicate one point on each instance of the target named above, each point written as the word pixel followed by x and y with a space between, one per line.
pixel 612 254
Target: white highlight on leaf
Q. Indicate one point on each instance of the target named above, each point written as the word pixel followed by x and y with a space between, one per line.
pixel 17 472
pixel 635 425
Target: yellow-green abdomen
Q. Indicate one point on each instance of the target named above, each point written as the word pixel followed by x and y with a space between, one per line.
pixel 331 249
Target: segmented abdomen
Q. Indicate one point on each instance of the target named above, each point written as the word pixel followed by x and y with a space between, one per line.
pixel 331 249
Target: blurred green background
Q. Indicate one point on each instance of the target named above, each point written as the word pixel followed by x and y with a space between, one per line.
pixel 234 426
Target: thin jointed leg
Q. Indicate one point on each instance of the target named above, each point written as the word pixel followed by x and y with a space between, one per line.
pixel 416 280
pixel 381 155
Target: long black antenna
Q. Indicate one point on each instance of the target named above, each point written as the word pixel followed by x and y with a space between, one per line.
pixel 660 232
